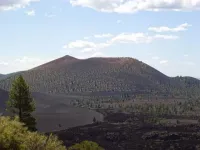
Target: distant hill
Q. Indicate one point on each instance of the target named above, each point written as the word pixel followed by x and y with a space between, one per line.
pixel 1 76
pixel 4 76
pixel 71 75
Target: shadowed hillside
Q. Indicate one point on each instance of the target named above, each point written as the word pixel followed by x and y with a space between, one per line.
pixel 3 98
pixel 1 76
pixel 55 112
pixel 71 75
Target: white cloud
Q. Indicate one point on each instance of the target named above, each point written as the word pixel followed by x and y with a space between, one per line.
pixel 182 27
pixel 140 38
pixel 133 38
pixel 163 61
pixel 14 4
pixel 81 44
pixel 89 55
pixel 3 63
pixel 165 37
pixel 185 55
pixel 104 45
pixel 30 13
pixel 103 35
pixel 132 6
pixel 86 46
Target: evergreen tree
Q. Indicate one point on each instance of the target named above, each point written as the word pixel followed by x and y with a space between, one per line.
pixel 21 103
pixel 94 120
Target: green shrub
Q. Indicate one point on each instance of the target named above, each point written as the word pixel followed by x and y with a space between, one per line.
pixel 13 136
pixel 86 145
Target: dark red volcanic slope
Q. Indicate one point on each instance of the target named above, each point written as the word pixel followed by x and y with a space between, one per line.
pixel 57 63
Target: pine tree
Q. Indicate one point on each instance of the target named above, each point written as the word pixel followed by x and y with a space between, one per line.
pixel 21 103
pixel 94 120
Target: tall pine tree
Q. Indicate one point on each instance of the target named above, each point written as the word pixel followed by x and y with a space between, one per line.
pixel 21 103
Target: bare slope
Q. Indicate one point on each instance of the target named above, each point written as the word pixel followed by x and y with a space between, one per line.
pixel 68 75
pixel 55 112
pixel 134 134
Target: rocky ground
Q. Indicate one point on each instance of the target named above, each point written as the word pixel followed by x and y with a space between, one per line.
pixel 130 132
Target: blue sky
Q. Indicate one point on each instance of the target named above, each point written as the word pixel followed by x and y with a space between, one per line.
pixel 163 34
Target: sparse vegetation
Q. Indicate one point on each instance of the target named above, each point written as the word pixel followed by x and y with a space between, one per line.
pixel 86 145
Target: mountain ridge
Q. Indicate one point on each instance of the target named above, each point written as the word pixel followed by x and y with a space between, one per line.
pixel 68 74
pixel 65 59
pixel 1 76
